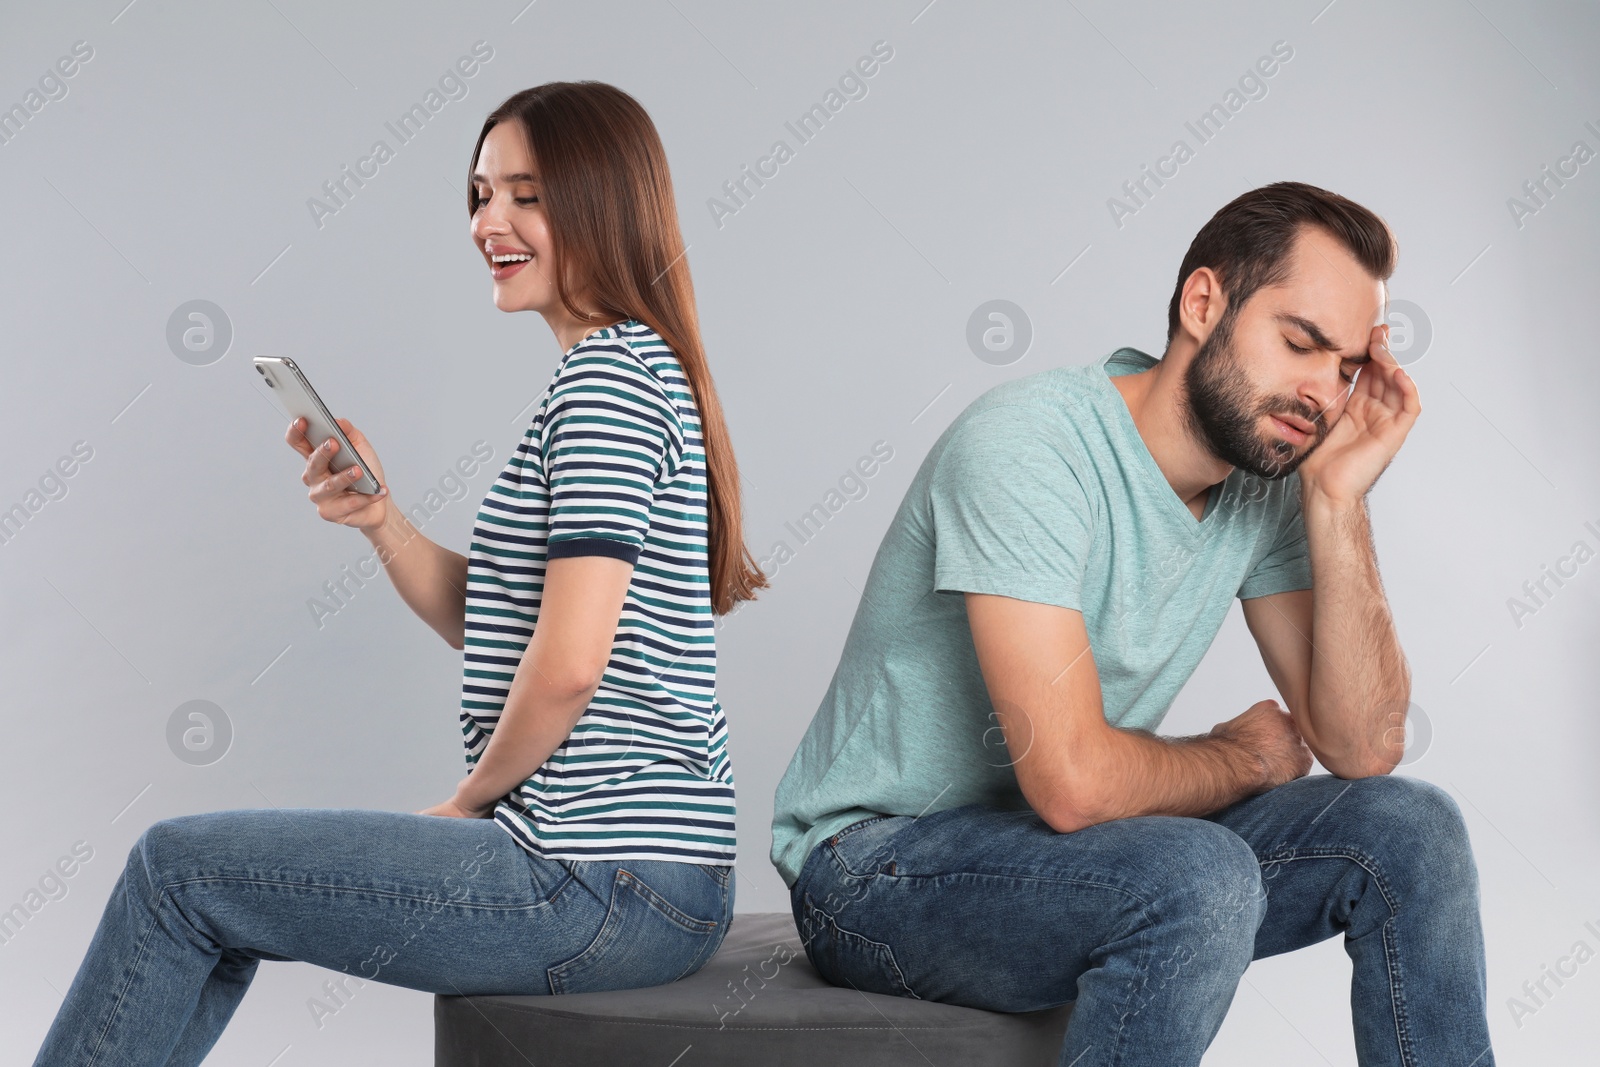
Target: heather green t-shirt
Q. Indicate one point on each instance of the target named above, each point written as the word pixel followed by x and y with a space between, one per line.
pixel 1041 490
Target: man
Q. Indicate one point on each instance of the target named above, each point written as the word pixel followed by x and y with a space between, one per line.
pixel 980 813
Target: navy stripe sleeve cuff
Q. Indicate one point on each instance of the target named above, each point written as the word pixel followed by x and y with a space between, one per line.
pixel 593 546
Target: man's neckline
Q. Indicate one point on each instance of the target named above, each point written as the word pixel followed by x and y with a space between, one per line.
pixel 1180 510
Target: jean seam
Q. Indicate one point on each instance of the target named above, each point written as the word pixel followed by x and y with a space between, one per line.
pixel 94 1053
pixel 665 908
pixel 1143 957
pixel 603 937
pixel 831 921
pixel 832 845
pixel 1150 912
pixel 859 824
pixel 1090 882
pixel 713 869
pixel 626 881
pixel 558 890
pixel 713 942
pixel 367 891
pixel 1391 955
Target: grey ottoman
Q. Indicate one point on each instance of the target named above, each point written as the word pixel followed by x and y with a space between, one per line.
pixel 758 1001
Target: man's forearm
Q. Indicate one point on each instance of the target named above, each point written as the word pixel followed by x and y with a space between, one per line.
pixel 1135 772
pixel 1360 684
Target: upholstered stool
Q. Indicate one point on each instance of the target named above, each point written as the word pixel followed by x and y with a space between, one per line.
pixel 757 1002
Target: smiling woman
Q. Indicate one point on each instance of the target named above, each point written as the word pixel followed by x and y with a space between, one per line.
pixel 591 844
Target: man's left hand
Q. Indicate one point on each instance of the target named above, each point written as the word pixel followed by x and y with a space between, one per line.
pixel 1382 408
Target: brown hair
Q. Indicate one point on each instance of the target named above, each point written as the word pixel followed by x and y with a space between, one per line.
pixel 1248 241
pixel 614 226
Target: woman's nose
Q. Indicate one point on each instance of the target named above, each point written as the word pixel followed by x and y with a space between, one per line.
pixel 486 220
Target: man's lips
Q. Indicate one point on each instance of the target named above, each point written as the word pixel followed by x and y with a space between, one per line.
pixel 1292 429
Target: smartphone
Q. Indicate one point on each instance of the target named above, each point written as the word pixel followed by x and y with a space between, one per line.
pixel 297 399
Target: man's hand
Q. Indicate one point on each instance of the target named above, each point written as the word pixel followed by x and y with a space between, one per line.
pixel 1268 734
pixel 457 808
pixel 1381 410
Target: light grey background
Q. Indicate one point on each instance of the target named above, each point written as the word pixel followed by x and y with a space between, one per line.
pixel 835 303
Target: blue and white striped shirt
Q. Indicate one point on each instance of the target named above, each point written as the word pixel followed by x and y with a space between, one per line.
pixel 612 465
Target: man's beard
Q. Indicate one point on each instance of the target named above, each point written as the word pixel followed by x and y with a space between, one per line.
pixel 1223 411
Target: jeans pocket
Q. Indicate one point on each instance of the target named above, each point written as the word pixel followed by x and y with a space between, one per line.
pixel 719 872
pixel 644 941
pixel 849 959
pixel 866 849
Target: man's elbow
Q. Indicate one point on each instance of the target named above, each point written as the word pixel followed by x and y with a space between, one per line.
pixel 1355 757
pixel 1067 810
pixel 1362 762
pixel 1349 769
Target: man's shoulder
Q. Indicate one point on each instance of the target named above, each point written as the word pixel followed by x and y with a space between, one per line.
pixel 1063 409
pixel 1053 394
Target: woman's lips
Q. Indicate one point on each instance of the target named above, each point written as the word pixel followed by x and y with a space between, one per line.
pixel 502 271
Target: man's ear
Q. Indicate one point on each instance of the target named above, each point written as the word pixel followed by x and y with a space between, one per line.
pixel 1201 304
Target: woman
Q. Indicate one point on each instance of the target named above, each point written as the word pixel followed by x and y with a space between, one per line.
pixel 591 844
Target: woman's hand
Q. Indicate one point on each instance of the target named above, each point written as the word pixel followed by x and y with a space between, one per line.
pixel 455 808
pixel 336 501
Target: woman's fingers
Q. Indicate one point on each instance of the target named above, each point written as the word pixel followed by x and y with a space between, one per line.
pixel 339 507
pixel 317 468
pixel 296 437
pixel 336 483
pixel 334 492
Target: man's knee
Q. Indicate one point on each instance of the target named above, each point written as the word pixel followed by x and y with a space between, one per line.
pixel 1206 879
pixel 1421 826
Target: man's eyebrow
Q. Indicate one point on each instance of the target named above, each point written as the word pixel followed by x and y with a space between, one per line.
pixel 1318 338
pixel 511 179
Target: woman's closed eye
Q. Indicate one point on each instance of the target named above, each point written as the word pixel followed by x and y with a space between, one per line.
pixel 524 200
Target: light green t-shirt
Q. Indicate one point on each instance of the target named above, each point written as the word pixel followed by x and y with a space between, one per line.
pixel 1041 490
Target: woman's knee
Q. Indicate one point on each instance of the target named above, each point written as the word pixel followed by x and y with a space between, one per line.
pixel 164 850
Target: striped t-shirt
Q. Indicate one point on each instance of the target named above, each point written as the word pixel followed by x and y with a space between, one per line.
pixel 612 465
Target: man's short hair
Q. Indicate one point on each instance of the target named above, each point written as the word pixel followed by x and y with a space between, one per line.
pixel 1247 242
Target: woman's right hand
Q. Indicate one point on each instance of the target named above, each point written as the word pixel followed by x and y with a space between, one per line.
pixel 336 501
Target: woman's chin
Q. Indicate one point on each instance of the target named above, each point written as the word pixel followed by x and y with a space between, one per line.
pixel 507 301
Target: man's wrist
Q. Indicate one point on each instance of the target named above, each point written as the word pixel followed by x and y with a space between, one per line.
pixel 1315 500
pixel 1249 770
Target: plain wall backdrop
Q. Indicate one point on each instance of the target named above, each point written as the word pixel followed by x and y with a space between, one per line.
pixel 984 160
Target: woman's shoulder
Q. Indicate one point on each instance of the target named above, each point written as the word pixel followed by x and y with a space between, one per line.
pixel 610 351
pixel 632 355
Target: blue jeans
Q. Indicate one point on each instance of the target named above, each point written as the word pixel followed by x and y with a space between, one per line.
pixel 437 904
pixel 1148 923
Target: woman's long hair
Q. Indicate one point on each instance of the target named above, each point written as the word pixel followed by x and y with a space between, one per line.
pixel 614 226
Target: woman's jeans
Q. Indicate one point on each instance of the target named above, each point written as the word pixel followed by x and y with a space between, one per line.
pixel 437 904
pixel 1148 923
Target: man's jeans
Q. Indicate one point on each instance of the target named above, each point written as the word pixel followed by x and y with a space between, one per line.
pixel 437 904
pixel 1149 922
